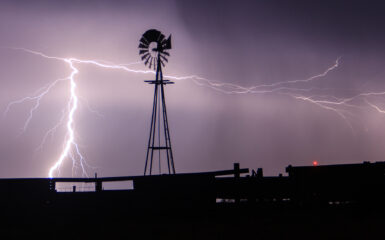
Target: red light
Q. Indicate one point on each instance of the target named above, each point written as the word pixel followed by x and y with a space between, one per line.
pixel 315 163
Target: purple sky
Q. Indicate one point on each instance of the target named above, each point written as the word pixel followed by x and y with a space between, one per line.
pixel 246 43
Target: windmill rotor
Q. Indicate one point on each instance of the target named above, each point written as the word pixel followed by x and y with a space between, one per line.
pixel 153 45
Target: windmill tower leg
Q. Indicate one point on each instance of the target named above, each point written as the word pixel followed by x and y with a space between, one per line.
pixel 170 157
pixel 151 139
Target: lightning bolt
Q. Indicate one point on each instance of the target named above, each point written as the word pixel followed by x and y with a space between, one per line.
pixel 378 109
pixel 72 106
pixel 72 151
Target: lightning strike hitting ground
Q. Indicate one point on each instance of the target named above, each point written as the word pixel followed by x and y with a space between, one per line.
pixel 72 106
pixel 71 148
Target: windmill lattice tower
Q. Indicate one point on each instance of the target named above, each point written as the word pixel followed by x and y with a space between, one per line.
pixel 153 49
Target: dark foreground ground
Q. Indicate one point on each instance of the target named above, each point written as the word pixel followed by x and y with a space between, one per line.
pixel 323 202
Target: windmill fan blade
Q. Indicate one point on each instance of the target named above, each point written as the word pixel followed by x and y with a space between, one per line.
pixel 144 41
pixel 143 46
pixel 166 53
pixel 162 63
pixel 152 35
pixel 163 58
pixel 145 55
pixel 154 65
pixel 143 51
pixel 148 58
pixel 151 62
pixel 160 38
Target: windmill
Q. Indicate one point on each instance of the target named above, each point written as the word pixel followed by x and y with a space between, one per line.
pixel 153 49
